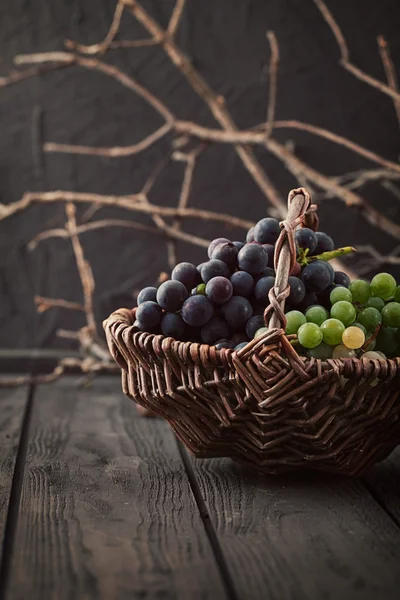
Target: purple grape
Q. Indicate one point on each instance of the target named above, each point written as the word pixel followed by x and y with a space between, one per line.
pixel 238 338
pixel 250 235
pixel 237 311
pixel 199 267
pixel 309 300
pixel 270 250
pixel 187 274
pixel 267 231
pixel 243 284
pixel 240 346
pixel 324 243
pixel 297 291
pixel 262 289
pixel 331 271
pixel 216 329
pixel 172 325
pixel 324 296
pixel 214 244
pixel 147 293
pixel 306 239
pixel 171 295
pixel 197 311
pixel 214 268
pixel 239 245
pixel 224 344
pixel 227 253
pixel 254 324
pixel 342 279
pixel 219 290
pixel 148 315
pixel 252 258
pixel 267 272
pixel 316 276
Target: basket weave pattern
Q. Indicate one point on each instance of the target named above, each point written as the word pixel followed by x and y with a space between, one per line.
pixel 264 406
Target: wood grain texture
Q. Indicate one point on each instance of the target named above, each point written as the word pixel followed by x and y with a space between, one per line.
pixel 106 508
pixel 12 408
pixel 383 480
pixel 302 537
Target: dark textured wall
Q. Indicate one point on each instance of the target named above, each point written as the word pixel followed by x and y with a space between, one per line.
pixel 226 41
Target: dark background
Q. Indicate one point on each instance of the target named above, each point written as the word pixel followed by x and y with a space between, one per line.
pixel 226 41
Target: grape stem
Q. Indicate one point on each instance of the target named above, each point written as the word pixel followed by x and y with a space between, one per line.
pixel 372 338
pixel 327 256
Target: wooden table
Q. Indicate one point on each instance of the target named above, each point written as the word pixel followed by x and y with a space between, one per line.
pixel 99 503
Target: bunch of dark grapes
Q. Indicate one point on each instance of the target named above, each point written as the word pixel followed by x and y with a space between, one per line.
pixel 221 302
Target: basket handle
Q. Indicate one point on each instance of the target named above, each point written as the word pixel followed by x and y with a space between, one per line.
pixel 299 202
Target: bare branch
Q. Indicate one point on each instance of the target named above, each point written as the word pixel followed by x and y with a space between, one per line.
pixel 176 17
pixel 17 76
pixel 43 304
pixel 341 42
pixel 390 71
pixel 135 43
pixel 273 74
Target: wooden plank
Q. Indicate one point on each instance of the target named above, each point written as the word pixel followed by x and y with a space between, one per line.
pixel 383 481
pixel 12 409
pixel 106 507
pixel 302 536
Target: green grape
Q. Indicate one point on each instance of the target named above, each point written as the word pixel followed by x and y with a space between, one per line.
pixel 360 290
pixel 387 341
pixel 201 289
pixel 383 285
pixel 341 351
pixel 340 293
pixel 373 355
pixel 360 327
pixel 391 314
pixel 381 354
pixel 309 335
pixel 294 320
pixel 317 314
pixel 371 346
pixel 396 296
pixel 370 317
pixel 375 302
pixel 323 351
pixel 332 331
pixel 260 332
pixel 353 338
pixel 344 311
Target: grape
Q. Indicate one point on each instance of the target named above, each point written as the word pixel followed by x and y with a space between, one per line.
pixel 147 293
pixel 344 311
pixel 322 351
pixel 309 300
pixel 223 344
pixel 267 231
pixel 316 276
pixel 219 290
pixel 243 284
pixel 240 346
pixel 396 295
pixel 324 243
pixel 332 330
pixel 262 289
pixel 227 253
pixel 187 274
pixel 267 272
pixel 317 314
pixel 371 345
pixel 309 335
pixel 387 342
pixel 214 244
pixel 342 279
pixel 353 337
pixel 252 258
pixel 237 311
pixel 197 311
pixel 260 332
pixel 200 289
pixel 360 290
pixel 238 338
pixel 239 245
pixel 375 302
pixel 383 285
pixel 360 327
pixel 250 235
pixel 214 268
pixel 294 320
pixel 172 325
pixel 342 351
pixel 171 295
pixel 296 271
pixel 324 297
pixel 148 315
pixel 306 239
pixel 253 325
pixel 297 291
pixel 270 250
pixel 331 271
pixel 370 317
pixel 391 314
pixel 372 355
pixel 340 293
pixel 216 329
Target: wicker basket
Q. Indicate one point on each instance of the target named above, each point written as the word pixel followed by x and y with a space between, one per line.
pixel 264 406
